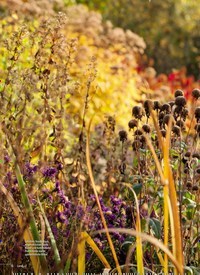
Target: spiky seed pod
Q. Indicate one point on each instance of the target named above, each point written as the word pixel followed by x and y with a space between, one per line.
pixel 196 155
pixel 123 135
pixel 181 124
pixel 166 108
pixel 133 123
pixel 137 112
pixel 196 94
pixel 180 101
pixel 163 132
pixel 178 93
pixel 176 130
pixel 156 105
pixel 197 128
pixel 146 128
pixel 177 111
pixel 148 106
pixel 138 132
pixel 197 113
pixel 195 188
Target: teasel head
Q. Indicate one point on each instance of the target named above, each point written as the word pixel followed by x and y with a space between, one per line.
pixel 176 130
pixel 181 124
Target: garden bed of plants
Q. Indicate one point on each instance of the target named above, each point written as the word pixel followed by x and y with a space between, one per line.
pixel 100 167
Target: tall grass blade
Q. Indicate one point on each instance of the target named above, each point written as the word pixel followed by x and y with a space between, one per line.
pixel 148 238
pixel 97 199
pixel 52 239
pixel 81 254
pixel 95 248
pixel 139 252
pixel 29 211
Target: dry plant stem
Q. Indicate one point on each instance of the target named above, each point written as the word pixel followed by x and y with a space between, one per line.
pixel 139 252
pixel 178 252
pixel 150 239
pixel 97 199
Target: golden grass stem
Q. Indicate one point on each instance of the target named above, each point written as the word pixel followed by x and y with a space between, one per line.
pixel 97 199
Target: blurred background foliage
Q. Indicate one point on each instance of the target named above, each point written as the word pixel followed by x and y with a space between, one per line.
pixel 171 28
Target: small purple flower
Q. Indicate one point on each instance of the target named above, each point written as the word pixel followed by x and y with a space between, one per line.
pixel 49 172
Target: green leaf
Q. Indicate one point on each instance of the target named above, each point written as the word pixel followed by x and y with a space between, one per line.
pixel 156 227
pixel 137 188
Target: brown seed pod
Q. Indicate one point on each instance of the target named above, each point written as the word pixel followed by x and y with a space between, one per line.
pixel 197 113
pixel 196 94
pixel 138 132
pixel 196 155
pixel 148 106
pixel 176 130
pixel 137 112
pixel 133 123
pixel 195 188
pixel 163 132
pixel 156 105
pixel 123 135
pixel 166 108
pixel 180 101
pixel 181 124
pixel 178 93
pixel 146 128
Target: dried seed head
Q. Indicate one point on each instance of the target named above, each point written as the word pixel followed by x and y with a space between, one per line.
pixel 180 101
pixel 166 119
pixel 137 112
pixel 123 135
pixel 148 106
pixel 196 93
pixel 146 128
pixel 197 113
pixel 184 113
pixel 163 132
pixel 156 105
pixel 178 93
pixel 189 184
pixel 161 116
pixel 176 130
pixel 181 124
pixel 133 123
pixel 195 188
pixel 166 108
pixel 138 133
pixel 171 103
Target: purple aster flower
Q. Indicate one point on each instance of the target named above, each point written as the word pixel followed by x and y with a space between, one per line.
pixel 49 172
